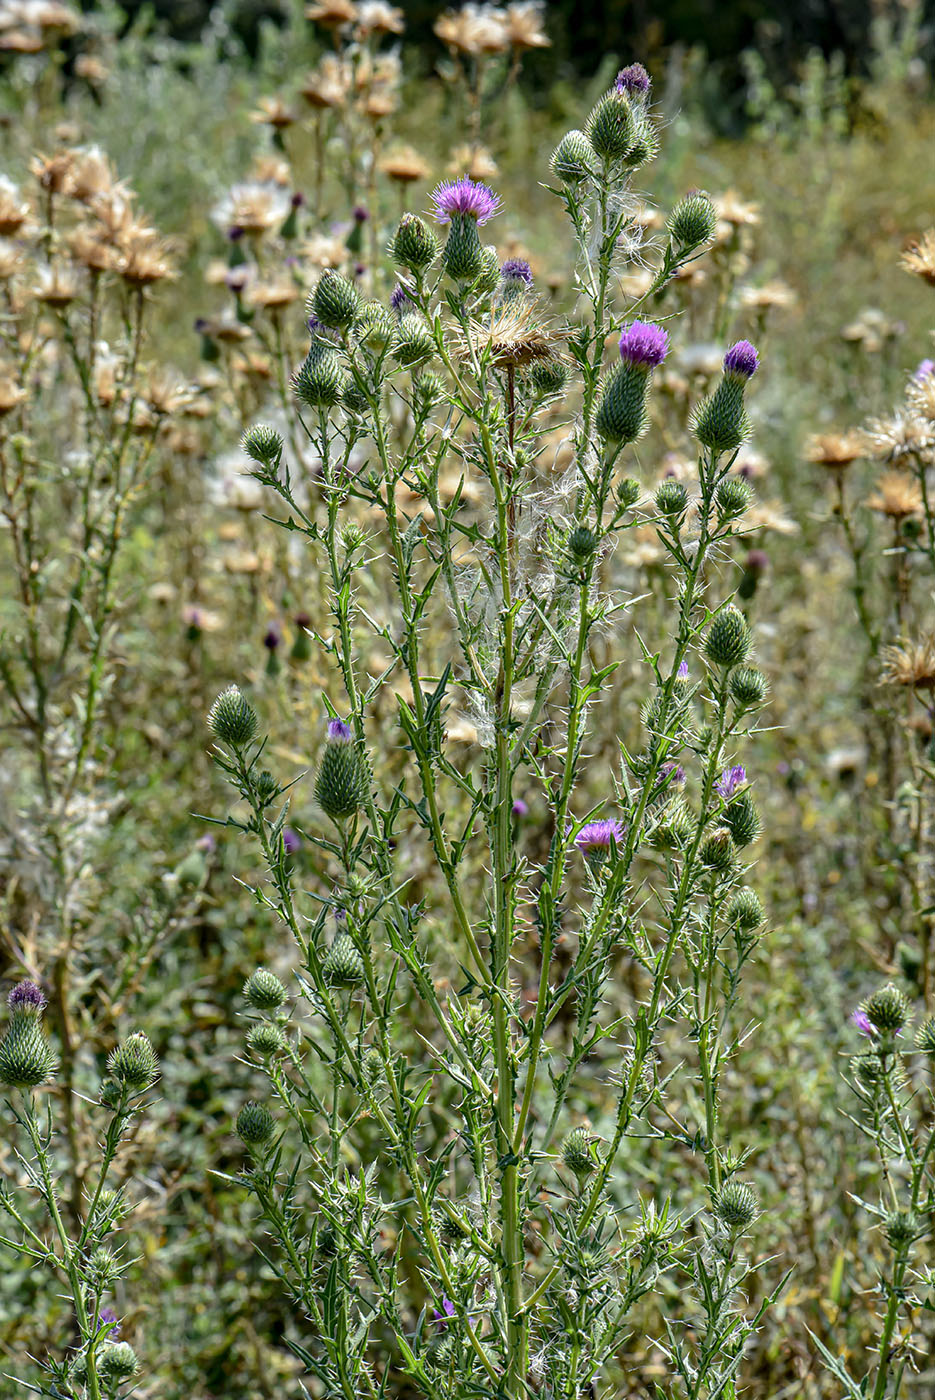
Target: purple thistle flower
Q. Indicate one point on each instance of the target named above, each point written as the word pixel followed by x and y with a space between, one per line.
pixel 863 1023
pixel 672 773
pixel 399 299
pixel 446 1311
pixel 517 270
pixel 741 360
pixel 520 808
pixel 730 780
pixel 290 840
pixel 272 636
pixel 339 732
pixel 643 344
pixel 109 1320
pixel 297 200
pixel 27 999
pixel 923 369
pixel 595 837
pixel 683 671
pixel 633 79
pixel 464 196
pixel 361 215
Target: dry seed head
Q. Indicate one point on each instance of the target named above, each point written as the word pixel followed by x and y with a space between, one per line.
pixel 896 496
pixel 919 257
pixel 513 335
pixel 836 451
pixel 910 664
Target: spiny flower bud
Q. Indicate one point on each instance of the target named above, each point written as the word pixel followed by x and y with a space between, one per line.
pixel 264 991
pixel 745 910
pixel 736 1205
pixel 720 422
pixel 621 413
pixel 644 146
pixel 717 850
pixel 451 1231
pixel 742 819
pixel 265 1039
pixel 582 543
pixel 628 492
pixel 577 1153
pixel 901 1228
pixel 26 999
pixel 319 381
pixel 571 157
pixel 265 788
pixel 692 222
pixel 748 685
pixel 102 1268
pixel 335 301
pixel 342 965
pixel 117 1362
pixel 133 1064
pixel 341 785
pixel 925 1037
pixel 354 400
pixel 413 343
pixel 463 255
pixel 548 376
pixel 263 444
pixel 515 280
pixel 728 640
pixel 610 127
pixel 427 390
pixel 671 497
pixel 255 1123
pixel 733 497
pixel 414 244
pixel 488 279
pixel 866 1068
pixel 26 1057
pixel 673 827
pixel 886 1008
pixel 231 719
pixel 374 326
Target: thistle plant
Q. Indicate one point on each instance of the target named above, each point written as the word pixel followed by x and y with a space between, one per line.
pixel 459 1221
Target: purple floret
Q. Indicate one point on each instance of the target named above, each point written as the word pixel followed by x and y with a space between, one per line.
pixel 923 369
pixel 730 780
pixel 464 196
pixel 339 732
pixel 633 79
pixel 108 1319
pixel 683 671
pixel 520 808
pixel 741 360
pixel 400 299
pixel 597 836
pixel 863 1023
pixel 643 343
pixel 27 998
pixel 516 270
pixel 290 840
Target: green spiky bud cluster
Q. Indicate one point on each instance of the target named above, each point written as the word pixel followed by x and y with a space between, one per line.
pixel 717 850
pixel 263 444
pixel 925 1037
pixel 692 222
pixel 374 326
pixel 577 1153
pixel 748 685
pixel 102 1268
pixel 745 910
pixel 133 1064
pixel 742 819
pixel 116 1361
pixel 265 788
pixel 26 1057
pixel 866 1068
pixel 671 497
pixel 673 827
pixel 372 1064
pixel 611 130
pixel 354 400
pixel 733 497
pixel 413 245
pixel 463 255
pixel 621 414
pixel 571 157
pixel 644 145
pixel 488 279
pixel 728 641
pixel 582 543
pixel 427 390
pixel 342 965
pixel 335 301
pixel 902 1228
pixel 720 422
pixel 320 379
pixel 886 1008
pixel 231 719
pixel 264 991
pixel 255 1123
pixel 548 376
pixel 736 1205
pixel 341 784
pixel 451 1231
pixel 265 1039
pixel 413 343
pixel 629 492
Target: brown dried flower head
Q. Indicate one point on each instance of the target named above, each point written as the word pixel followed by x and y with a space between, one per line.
pixel 14 210
pixel 896 496
pixel 836 451
pixel 404 165
pixel 910 663
pixel 919 257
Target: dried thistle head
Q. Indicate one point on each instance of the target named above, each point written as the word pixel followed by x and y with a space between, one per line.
pixel 404 165
pixel 524 25
pixel 897 496
pixel 910 664
pixel 145 258
pixel 513 335
pixel 920 396
pixel 919 257
pixel 836 451
pixel 329 84
pixel 272 111
pixel 378 17
pixel 475 161
pixel 772 296
pixel 331 14
pixel 14 211
pixel 732 210
pixel 473 30
pixel 905 434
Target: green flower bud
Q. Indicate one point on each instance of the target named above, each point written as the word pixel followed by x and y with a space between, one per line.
pixel 902 1228
pixel 413 343
pixel 742 819
pixel 733 497
pixel 374 326
pixel 263 444
pixel 335 301
pixel 265 1039
pixel 414 245
pixel 341 785
pixel 427 390
pixel 736 1206
pixel 866 1068
pixel 720 422
pixel 610 128
pixel 265 788
pixel 577 1153
pixel 463 256
pixel 354 400
pixel 671 497
pixel 342 965
pixel 582 543
pixel 644 146
pixel 673 827
pixel 692 222
pixel 116 1362
pixel 26 1057
pixel 231 719
pixel 621 414
pixel 320 379
pixel 548 376
pixel 745 910
pixel 886 1008
pixel 748 685
pixel 628 492
pixel 102 1268
pixel 728 641
pixel 451 1231
pixel 255 1123
pixel 571 157
pixel 488 279
pixel 264 991
pixel 133 1064
pixel 925 1037
pixel 717 850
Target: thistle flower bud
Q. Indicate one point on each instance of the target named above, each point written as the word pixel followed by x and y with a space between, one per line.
pixel 692 222
pixel 745 910
pixel 488 279
pixel 319 381
pixel 341 785
pixel 671 497
pixel 886 1008
pixel 463 255
pixel 515 280
pixel 414 244
pixel 621 414
pixel 582 543
pixel 133 1064
pixel 720 422
pixel 628 492
pixel 571 157
pixel 335 301
pixel 117 1362
pixel 644 145
pixel 742 819
pixel 255 1123
pixel 265 788
pixel 342 965
pixel 548 376
pixel 374 326
pixel 866 1068
pixel 264 991
pixel 102 1268
pixel 733 497
pixel 26 999
pixel 728 641
pixel 231 719
pixel 354 400
pixel 427 390
pixel 673 827
pixel 263 444
pixel 610 127
pixel 736 1205
pixel 265 1039
pixel 925 1037
pixel 748 685
pixel 577 1153
pixel 26 1057
pixel 451 1231
pixel 902 1228
pixel 717 850
pixel 413 343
